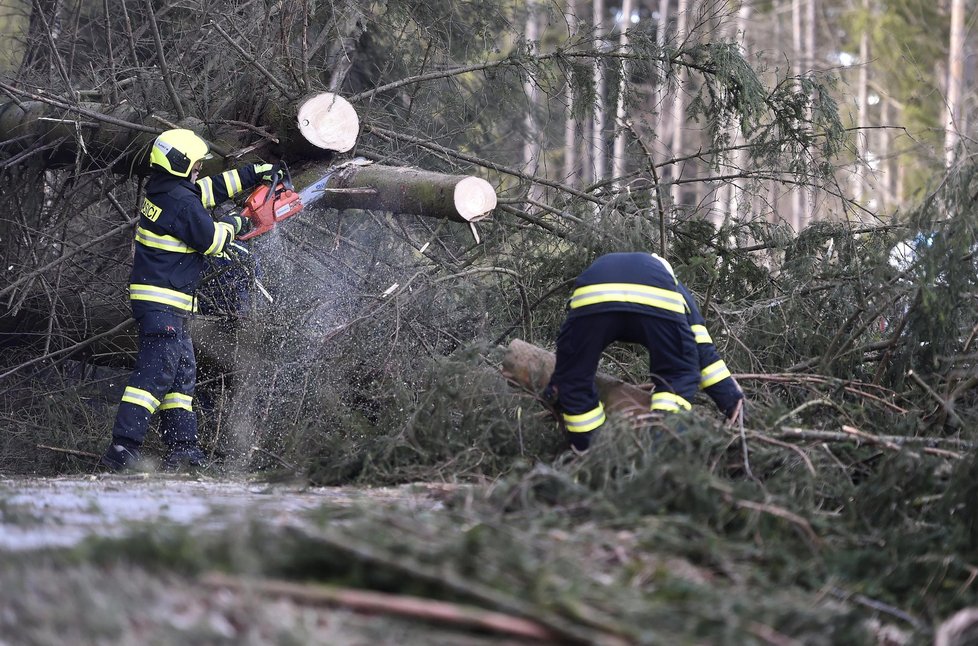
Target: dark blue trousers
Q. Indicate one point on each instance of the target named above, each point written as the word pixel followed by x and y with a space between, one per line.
pixel 673 356
pixel 163 381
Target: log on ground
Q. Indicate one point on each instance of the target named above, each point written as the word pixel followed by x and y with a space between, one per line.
pixel 531 367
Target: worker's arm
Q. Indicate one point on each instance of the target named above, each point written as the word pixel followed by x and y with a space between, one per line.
pixel 219 188
pixel 715 377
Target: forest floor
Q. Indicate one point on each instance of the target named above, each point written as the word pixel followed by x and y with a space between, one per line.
pixel 53 592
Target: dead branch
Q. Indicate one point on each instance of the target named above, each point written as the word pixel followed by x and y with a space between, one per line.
pixel 780 512
pixel 253 61
pixel 71 349
pixel 441 612
pixel 75 452
pixel 161 60
pixel 947 407
pixel 566 631
pixel 895 441
pixel 857 388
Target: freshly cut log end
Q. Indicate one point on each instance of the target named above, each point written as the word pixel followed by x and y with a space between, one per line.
pixel 328 121
pixel 474 198
pixel 531 367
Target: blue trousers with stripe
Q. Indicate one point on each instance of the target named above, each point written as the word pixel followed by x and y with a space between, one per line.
pixel 673 356
pixel 163 380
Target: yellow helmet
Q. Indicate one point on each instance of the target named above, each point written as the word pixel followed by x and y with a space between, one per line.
pixel 176 152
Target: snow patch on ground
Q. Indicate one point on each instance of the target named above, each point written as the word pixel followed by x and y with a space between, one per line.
pixel 37 513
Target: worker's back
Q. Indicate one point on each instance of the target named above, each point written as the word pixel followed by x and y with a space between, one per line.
pixel 628 282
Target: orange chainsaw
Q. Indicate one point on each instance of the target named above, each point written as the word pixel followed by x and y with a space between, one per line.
pixel 269 204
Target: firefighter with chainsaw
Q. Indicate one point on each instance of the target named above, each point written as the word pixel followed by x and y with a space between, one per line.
pixel 635 298
pixel 174 235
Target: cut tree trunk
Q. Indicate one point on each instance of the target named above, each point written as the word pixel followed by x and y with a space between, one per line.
pixel 120 136
pixel 319 126
pixel 361 185
pixel 530 367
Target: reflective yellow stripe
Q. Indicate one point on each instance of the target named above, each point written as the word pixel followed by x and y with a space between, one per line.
pixel 585 422
pixel 223 232
pixel 232 182
pixel 177 400
pixel 141 397
pixel 164 242
pixel 207 192
pixel 172 297
pixel 713 374
pixel 669 402
pixel 628 293
pixel 702 336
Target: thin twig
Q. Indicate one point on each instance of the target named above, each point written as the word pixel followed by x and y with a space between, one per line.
pixel 945 406
pixel 71 349
pixel 75 452
pixel 161 59
pixel 253 61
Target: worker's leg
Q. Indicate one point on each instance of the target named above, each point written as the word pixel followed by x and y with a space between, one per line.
pixel 178 422
pixel 156 367
pixel 673 360
pixel 580 343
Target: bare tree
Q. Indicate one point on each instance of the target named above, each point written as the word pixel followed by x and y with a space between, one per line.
pixel 598 154
pixel 955 82
pixel 618 155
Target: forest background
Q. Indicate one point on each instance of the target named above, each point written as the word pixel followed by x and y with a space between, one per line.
pixel 807 166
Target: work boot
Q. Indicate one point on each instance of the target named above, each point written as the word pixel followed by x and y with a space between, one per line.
pixel 121 456
pixel 184 456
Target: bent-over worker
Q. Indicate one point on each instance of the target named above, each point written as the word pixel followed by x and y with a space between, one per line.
pixel 174 234
pixel 636 298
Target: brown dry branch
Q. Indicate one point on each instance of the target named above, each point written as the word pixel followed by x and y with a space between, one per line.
pixel 857 388
pixel 599 631
pixel 70 350
pixel 441 612
pixel 770 440
pixel 892 442
pixel 946 406
pixel 75 452
pixel 781 512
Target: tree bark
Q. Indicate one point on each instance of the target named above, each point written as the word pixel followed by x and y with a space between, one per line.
pixel 618 154
pixel 955 82
pixel 570 123
pixel 120 136
pixel 400 190
pixel 679 103
pixel 530 367
pixel 597 124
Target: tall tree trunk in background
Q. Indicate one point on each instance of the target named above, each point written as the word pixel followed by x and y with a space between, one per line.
pixel 570 175
pixel 955 82
pixel 862 110
pixel 678 102
pixel 618 156
pixel 658 96
pixel 808 204
pixel 886 164
pixel 810 6
pixel 736 191
pixel 797 54
pixel 532 145
pixel 597 133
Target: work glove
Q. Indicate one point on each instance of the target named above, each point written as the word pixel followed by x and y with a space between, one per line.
pixel 241 224
pixel 264 173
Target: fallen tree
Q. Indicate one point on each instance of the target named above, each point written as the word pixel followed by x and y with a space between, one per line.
pixel 530 368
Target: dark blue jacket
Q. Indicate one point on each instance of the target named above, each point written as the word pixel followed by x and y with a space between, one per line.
pixel 174 234
pixel 645 283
